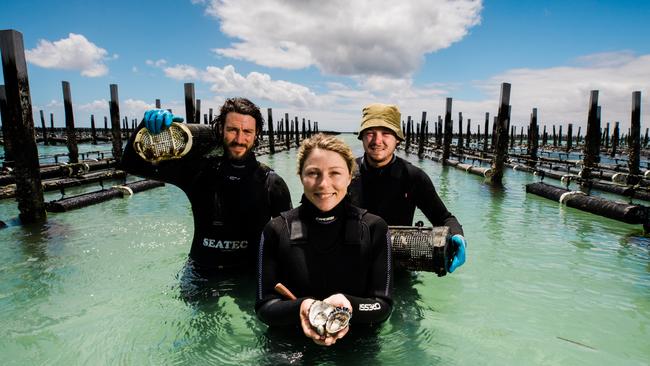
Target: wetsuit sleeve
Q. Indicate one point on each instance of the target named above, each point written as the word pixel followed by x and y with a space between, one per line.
pixel 270 307
pixel 280 195
pixel 427 200
pixel 177 172
pixel 377 307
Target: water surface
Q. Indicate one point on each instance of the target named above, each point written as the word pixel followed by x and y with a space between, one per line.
pixel 543 285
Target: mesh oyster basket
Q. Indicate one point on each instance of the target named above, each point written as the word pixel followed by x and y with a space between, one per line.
pixel 173 142
pixel 421 248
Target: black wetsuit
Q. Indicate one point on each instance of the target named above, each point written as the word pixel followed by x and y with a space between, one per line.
pixel 231 202
pixel 316 255
pixel 395 190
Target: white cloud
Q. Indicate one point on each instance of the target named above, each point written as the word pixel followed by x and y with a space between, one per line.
pixel 182 72
pixel 72 53
pixel 371 37
pixel 96 106
pixel 226 80
pixel 561 94
pixel 157 63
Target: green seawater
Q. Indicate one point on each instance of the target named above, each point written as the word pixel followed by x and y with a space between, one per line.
pixel 543 285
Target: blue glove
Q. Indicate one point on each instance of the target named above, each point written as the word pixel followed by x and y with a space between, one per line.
pixel 459 258
pixel 155 120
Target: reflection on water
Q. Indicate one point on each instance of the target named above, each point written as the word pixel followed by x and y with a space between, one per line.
pixel 543 284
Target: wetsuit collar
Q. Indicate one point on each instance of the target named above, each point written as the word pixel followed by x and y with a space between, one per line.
pixel 312 212
pixel 390 167
pixel 240 168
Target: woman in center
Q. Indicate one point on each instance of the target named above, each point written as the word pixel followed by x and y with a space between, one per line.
pixel 325 250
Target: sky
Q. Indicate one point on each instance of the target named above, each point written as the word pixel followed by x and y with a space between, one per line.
pixel 325 60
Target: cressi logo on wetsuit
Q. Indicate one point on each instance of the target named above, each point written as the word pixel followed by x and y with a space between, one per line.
pixel 369 307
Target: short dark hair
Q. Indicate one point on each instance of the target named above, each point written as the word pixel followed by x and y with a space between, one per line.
pixel 241 106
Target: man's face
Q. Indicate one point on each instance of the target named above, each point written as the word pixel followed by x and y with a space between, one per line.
pixel 238 135
pixel 379 144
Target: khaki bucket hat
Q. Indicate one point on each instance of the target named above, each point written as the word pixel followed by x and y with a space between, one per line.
pixel 382 115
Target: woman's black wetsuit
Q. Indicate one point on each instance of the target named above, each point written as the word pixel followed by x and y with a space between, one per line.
pixel 315 254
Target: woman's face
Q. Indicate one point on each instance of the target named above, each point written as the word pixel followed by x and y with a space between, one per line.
pixel 325 178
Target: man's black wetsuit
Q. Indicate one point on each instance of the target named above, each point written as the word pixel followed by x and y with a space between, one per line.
pixel 231 202
pixel 394 191
pixel 316 255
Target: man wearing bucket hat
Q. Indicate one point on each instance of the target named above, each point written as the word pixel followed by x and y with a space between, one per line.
pixel 390 187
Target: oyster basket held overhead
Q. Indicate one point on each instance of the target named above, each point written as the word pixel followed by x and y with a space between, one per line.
pixel 422 248
pixel 174 142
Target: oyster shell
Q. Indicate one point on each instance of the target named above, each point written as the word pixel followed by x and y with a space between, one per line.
pixel 326 318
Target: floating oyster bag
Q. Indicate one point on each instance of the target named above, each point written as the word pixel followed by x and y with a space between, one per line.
pixel 422 248
pixel 173 142
pixel 327 318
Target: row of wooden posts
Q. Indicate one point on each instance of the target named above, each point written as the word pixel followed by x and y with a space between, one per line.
pixel 485 142
pixel 503 137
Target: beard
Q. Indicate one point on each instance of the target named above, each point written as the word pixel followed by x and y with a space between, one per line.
pixel 239 157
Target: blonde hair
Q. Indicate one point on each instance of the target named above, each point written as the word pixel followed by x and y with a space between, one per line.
pixel 325 142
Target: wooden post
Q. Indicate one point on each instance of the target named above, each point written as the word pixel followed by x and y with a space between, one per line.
pixel 459 147
pixel 105 125
pixel 559 137
pixel 494 132
pixel 440 132
pixel 304 129
pixel 421 144
pixel 645 139
pixel 8 161
pixel 544 137
pixel 116 133
pixel 408 133
pixel 73 150
pixel 93 132
pixel 287 134
pixel 157 103
pixel 297 132
pixel 468 136
pixel 448 133
pixel 569 137
pixel 189 102
pixel 501 147
pixel 43 127
pixel 534 138
pixel 210 115
pixel 578 137
pixel 19 119
pixel 271 137
pixel 554 137
pixel 197 113
pixel 615 138
pixel 521 136
pixel 309 130
pixel 487 128
pixel 592 139
pixel 634 149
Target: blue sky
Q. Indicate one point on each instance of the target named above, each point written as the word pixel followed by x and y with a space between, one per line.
pixel 324 60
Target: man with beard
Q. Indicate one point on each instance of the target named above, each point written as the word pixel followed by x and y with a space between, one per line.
pixel 390 187
pixel 232 196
